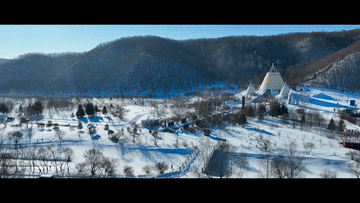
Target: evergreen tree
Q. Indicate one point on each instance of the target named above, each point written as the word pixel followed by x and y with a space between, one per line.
pixel 302 121
pixel 38 108
pixel 104 110
pixel 341 125
pixel 241 119
pixel 80 125
pixel 96 109
pixel 274 109
pixel 80 113
pixel 331 125
pixel 89 109
pixel 250 111
pixel 283 109
pixel 3 108
pixel 261 112
pixel 30 110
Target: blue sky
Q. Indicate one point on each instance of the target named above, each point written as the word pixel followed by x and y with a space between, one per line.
pixel 21 39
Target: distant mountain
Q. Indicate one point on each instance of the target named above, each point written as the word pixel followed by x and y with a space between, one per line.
pixel 2 61
pixel 153 65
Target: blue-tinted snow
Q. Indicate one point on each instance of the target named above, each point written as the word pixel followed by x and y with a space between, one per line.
pixel 260 131
pixel 96 137
pixel 324 96
pixel 325 103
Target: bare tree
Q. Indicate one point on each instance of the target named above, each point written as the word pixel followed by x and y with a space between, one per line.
pixel 4 164
pixel 43 156
pixel 155 137
pixel 279 167
pixel 289 163
pixel 81 168
pixel 119 112
pixel 16 135
pixel 109 167
pixel 68 156
pixel 129 171
pixel 179 104
pixel 220 163
pixel 241 162
pixel 327 173
pixel 353 155
pixel 94 159
pixel 161 167
pixel 309 146
pixel 60 135
pixel 355 169
pixel 264 144
pixel 265 164
pixel 147 169
pixel 29 133
pixel 55 158
pixel 97 164
pixel 33 154
pixel 133 134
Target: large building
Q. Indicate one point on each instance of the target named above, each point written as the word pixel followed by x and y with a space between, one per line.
pixel 272 81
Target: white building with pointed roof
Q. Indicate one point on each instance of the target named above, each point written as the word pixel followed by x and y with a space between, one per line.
pixel 284 90
pixel 250 90
pixel 272 81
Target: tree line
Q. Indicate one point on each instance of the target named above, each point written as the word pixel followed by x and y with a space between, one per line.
pixel 153 64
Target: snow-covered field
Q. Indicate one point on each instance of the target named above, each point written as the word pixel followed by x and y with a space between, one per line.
pixel 183 149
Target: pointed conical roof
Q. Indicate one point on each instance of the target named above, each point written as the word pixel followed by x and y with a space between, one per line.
pixel 272 69
pixel 272 80
pixel 284 90
pixel 250 90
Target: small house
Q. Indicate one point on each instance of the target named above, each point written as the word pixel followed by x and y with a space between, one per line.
pixel 41 125
pixel 301 111
pixel 207 132
pixel 49 124
pixel 351 139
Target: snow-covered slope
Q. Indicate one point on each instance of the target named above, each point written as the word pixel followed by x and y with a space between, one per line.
pixel 184 152
pixel 341 74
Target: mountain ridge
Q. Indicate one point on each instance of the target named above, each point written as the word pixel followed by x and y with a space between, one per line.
pixel 151 65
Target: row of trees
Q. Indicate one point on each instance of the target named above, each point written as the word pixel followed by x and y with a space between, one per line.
pixel 31 110
pixel 34 160
pixel 90 110
pixel 96 164
pixel 336 127
pixel 53 160
pixel 223 162
pixel 35 109
pixel 286 164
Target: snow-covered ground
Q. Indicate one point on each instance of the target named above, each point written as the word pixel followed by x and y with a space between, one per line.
pixel 187 154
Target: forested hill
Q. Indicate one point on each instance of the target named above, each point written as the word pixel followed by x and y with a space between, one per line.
pixel 2 61
pixel 155 65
